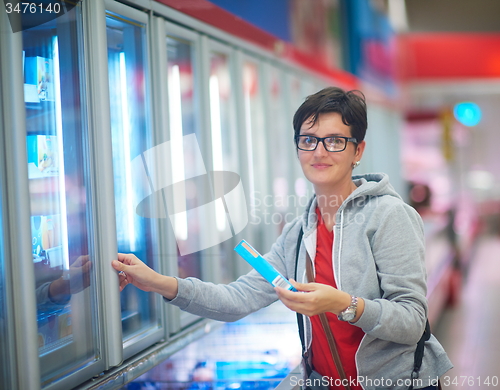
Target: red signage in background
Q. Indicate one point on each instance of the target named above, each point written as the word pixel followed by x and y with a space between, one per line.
pixel 448 56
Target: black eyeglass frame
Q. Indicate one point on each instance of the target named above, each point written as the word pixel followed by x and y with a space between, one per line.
pixel 318 140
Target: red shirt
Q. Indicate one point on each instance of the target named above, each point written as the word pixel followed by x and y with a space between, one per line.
pixel 347 336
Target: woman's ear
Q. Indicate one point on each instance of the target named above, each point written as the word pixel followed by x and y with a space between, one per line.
pixel 360 148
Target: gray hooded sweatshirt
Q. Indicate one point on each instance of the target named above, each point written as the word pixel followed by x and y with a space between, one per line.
pixel 378 255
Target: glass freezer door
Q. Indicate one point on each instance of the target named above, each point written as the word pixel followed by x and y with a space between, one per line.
pixel 258 161
pixel 61 230
pixel 189 201
pixel 131 137
pixel 4 361
pixel 183 121
pixel 281 135
pixel 224 146
pixel 299 187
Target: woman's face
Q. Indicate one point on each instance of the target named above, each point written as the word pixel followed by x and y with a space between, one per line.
pixel 326 169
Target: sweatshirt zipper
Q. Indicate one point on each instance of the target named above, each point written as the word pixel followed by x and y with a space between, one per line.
pixel 341 231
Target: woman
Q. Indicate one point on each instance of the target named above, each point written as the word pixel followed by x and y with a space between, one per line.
pixel 367 251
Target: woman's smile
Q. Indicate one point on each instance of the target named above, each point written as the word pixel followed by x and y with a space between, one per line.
pixel 321 166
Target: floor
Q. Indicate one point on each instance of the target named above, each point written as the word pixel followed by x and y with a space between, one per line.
pixel 254 353
pixel 470 332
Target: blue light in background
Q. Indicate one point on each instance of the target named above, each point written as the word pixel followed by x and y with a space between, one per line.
pixel 467 113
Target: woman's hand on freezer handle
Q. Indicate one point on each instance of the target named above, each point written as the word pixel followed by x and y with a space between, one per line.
pixel 320 298
pixel 134 271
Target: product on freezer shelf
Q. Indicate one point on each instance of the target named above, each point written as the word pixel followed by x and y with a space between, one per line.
pixel 48 330
pixel 45 233
pixel 42 156
pixel 38 71
pixel 54 328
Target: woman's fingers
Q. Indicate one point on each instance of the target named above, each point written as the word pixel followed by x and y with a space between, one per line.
pixel 124 262
pixel 128 259
pixel 312 298
pixel 303 287
pixel 118 266
pixel 123 280
pixel 293 300
pixel 121 266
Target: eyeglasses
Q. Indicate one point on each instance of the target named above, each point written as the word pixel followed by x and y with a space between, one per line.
pixel 332 144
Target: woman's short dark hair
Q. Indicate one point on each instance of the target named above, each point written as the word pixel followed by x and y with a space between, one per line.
pixel 350 105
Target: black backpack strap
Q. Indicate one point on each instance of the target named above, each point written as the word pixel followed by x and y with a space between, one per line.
pixel 419 353
pixel 299 241
pixel 300 320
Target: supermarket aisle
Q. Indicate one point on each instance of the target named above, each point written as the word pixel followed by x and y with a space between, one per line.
pixel 470 332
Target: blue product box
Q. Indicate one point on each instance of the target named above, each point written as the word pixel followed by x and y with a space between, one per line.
pixel 262 266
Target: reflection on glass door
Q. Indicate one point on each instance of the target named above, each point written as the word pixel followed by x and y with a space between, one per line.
pixel 57 168
pixel 131 136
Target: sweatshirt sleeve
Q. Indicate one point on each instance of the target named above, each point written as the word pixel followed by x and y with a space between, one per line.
pixel 399 252
pixel 230 302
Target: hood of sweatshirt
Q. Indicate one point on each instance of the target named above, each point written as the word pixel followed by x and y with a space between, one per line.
pixel 369 185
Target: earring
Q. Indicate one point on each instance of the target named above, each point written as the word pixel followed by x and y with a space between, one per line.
pixel 356 164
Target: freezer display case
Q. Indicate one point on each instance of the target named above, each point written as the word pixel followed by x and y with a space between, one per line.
pixel 58 171
pixel 131 136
